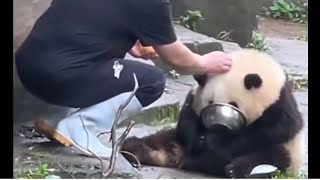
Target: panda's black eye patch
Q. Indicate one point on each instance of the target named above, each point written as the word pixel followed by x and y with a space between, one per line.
pixel 252 81
pixel 233 104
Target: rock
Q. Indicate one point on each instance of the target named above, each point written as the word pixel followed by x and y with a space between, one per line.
pixel 230 46
pixel 239 17
pixel 197 42
pixel 181 86
pixel 291 54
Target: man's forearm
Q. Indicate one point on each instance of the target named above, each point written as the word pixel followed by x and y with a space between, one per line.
pixel 181 58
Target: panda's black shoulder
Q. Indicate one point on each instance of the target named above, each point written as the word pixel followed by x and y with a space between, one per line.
pixel 290 106
pixel 284 113
pixel 288 102
pixel 189 99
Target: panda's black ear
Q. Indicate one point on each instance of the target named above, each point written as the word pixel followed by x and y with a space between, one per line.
pixel 201 79
pixel 252 81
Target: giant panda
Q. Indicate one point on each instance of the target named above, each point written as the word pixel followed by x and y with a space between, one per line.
pixel 257 85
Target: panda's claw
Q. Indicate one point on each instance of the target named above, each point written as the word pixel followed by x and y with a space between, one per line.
pixel 229 171
pixel 235 170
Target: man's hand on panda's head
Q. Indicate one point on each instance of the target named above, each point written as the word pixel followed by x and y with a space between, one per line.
pixel 217 62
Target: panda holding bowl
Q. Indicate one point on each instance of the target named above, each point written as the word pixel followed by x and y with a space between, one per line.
pixel 231 123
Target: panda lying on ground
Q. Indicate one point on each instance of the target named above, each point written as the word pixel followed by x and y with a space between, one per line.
pixel 256 85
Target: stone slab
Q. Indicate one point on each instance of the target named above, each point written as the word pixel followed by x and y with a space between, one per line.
pixel 291 54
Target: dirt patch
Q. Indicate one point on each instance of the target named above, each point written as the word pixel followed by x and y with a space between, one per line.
pixel 277 28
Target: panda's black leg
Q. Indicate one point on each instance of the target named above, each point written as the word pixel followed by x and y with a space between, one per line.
pixel 242 166
pixel 208 162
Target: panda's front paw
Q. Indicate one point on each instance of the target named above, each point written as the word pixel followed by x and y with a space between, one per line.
pixel 236 170
pixel 197 146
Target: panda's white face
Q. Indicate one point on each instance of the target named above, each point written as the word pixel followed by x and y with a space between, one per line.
pixel 253 84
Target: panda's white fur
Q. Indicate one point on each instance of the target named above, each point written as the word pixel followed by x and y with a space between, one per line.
pixel 296 149
pixel 224 88
pixel 229 87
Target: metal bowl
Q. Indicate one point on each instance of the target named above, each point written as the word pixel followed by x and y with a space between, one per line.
pixel 223 116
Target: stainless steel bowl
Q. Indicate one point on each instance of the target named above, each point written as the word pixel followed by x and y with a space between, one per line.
pixel 223 115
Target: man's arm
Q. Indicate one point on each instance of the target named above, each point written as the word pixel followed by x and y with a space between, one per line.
pixel 181 58
pixel 150 22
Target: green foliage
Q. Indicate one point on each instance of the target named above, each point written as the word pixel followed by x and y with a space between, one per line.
pixel 191 19
pixel 173 74
pixel 258 42
pixel 289 10
pixel 286 175
pixel 165 116
pixel 40 173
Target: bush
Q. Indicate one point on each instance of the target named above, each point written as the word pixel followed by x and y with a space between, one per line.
pixel 190 19
pixel 285 10
pixel 258 42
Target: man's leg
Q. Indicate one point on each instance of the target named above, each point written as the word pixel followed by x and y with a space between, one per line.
pixel 87 122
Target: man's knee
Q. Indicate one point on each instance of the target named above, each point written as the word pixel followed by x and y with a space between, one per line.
pixel 152 86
